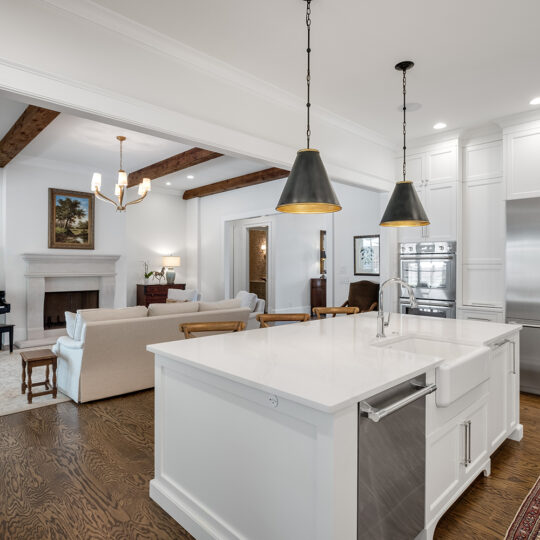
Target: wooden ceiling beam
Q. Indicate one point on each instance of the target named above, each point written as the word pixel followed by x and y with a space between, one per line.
pixel 251 179
pixel 176 163
pixel 27 127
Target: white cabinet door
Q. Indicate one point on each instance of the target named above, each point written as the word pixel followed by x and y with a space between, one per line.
pixel 483 221
pixel 483 285
pixel 498 397
pixel 474 439
pixel 442 467
pixel 442 165
pixel 441 208
pixel 522 163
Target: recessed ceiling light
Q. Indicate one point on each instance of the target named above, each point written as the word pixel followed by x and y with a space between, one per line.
pixel 190 177
pixel 535 101
pixel 168 183
pixel 439 125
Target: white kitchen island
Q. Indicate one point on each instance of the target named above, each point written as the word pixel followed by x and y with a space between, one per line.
pixel 257 432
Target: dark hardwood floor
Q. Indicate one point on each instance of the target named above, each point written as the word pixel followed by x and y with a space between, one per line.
pixel 82 472
pixel 487 508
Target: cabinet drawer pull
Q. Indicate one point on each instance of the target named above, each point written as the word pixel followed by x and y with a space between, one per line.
pixel 478 319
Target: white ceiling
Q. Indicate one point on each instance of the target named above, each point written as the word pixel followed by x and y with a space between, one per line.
pixel 93 145
pixel 475 60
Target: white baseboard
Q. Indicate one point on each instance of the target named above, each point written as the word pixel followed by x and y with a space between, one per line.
pixel 188 513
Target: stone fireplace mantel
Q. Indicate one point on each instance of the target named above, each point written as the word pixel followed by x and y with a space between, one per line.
pixel 65 272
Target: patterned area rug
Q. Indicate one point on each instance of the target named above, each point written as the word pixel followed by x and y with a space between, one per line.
pixel 11 399
pixel 526 524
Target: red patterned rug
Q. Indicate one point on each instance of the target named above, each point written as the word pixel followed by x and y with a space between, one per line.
pixel 526 524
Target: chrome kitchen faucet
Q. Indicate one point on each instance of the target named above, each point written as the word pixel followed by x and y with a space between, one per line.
pixel 380 316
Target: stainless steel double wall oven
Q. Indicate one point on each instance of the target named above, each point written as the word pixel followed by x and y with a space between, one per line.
pixel 430 269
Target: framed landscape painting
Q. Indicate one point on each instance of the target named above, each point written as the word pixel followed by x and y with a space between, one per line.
pixel 366 255
pixel 71 219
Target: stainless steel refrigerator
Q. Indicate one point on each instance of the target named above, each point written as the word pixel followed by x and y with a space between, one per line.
pixel 523 284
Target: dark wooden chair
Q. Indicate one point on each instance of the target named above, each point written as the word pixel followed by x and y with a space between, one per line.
pixel 265 318
pixel 221 326
pixel 364 295
pixel 352 310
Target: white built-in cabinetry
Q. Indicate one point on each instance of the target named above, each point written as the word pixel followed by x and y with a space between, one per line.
pixel 522 161
pixel 461 438
pixel 434 172
pixel 482 232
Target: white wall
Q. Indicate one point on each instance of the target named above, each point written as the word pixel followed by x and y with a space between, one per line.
pixel 146 231
pixel 295 241
pixel 360 216
pixel 155 227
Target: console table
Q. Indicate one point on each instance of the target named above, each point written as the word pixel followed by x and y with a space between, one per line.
pixel 155 294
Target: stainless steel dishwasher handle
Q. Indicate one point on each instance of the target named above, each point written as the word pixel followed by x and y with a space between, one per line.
pixel 376 415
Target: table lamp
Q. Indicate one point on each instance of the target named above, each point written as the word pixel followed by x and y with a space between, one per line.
pixel 171 263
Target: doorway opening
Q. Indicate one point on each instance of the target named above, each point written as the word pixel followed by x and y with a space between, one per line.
pixel 249 258
pixel 257 261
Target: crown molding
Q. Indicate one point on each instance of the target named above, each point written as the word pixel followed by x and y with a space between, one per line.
pixel 516 119
pixel 202 62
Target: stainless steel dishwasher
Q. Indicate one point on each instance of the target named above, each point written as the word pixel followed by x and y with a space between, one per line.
pixel 391 462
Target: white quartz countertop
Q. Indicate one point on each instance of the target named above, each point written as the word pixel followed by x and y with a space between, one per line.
pixel 326 364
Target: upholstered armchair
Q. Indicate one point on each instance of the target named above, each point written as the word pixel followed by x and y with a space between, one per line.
pixel 363 295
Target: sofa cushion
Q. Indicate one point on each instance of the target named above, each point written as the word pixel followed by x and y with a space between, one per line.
pixel 71 319
pixel 172 308
pixel 105 314
pixel 187 295
pixel 222 304
pixel 247 299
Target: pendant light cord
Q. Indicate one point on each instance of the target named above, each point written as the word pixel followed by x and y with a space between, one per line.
pixel 404 124
pixel 121 155
pixel 308 76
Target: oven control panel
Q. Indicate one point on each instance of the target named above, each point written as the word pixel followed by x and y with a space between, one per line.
pixel 427 248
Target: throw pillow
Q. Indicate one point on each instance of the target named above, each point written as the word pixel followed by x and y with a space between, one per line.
pixel 187 295
pixel 222 304
pixel 172 308
pixel 105 314
pixel 70 323
pixel 247 299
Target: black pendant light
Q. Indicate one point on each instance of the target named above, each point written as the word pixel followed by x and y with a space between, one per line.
pixel 308 189
pixel 404 208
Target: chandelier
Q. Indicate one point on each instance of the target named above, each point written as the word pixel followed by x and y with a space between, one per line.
pixel 121 186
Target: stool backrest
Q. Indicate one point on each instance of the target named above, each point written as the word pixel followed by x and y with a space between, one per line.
pixel 222 326
pixel 265 318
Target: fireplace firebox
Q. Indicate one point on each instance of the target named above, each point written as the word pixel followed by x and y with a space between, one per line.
pixel 57 303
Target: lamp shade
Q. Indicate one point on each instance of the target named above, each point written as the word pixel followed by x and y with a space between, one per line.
pixel 404 208
pixel 171 262
pixel 308 189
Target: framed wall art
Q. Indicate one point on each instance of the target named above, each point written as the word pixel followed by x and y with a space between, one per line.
pixel 366 255
pixel 71 219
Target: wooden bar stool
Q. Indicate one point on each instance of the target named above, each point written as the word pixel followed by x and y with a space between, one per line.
pixel 32 359
pixel 221 326
pixel 265 318
pixel 335 311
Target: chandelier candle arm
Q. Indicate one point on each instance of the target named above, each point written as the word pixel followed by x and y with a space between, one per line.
pixel 308 189
pixel 120 188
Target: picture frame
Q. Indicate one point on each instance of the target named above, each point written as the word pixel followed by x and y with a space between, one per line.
pixel 366 255
pixel 71 219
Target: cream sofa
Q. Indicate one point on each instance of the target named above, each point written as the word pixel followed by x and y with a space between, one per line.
pixel 105 358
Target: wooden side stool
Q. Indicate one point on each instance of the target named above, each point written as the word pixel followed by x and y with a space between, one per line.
pixel 32 359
